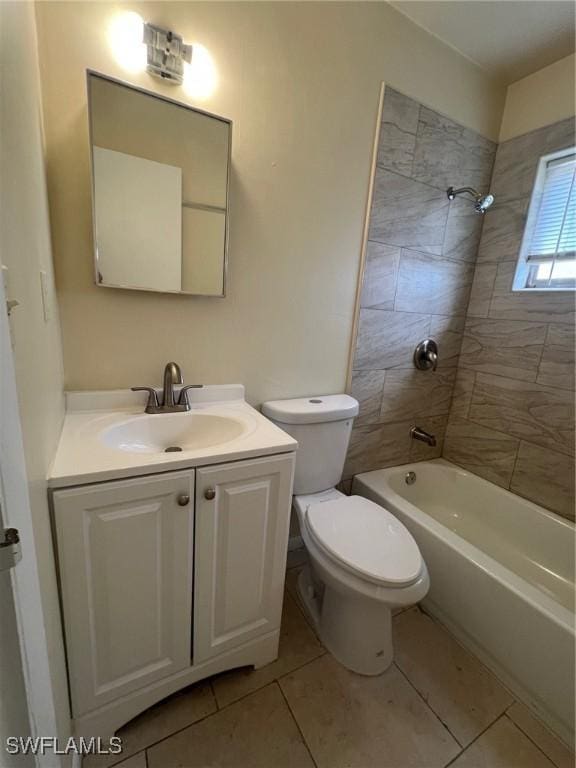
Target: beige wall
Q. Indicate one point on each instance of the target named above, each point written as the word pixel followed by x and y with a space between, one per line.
pixel 301 83
pixel 25 250
pixel 540 99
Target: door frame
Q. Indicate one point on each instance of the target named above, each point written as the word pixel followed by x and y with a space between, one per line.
pixel 25 578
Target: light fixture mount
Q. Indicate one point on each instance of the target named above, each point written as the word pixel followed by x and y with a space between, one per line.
pixel 166 54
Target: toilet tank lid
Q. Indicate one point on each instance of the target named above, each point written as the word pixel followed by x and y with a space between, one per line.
pixel 311 410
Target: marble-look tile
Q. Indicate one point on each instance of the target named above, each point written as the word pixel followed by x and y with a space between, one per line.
pixel 480 450
pixel 158 722
pixel 462 394
pixel 557 367
pixel 546 477
pixel 540 306
pixel 298 645
pixel 515 165
pixel 462 692
pixel 517 159
pixel 481 292
pixel 355 721
pixel 510 348
pixel 560 135
pixel 398 132
pixel 367 388
pixel 407 213
pixel 448 154
pixel 411 394
pixel 387 339
pixel 380 273
pixel 561 335
pixel 502 231
pixel 559 754
pixel 257 731
pixel 428 283
pixel 463 230
pixel 529 411
pixel 447 333
pixel 377 446
pixel 503 745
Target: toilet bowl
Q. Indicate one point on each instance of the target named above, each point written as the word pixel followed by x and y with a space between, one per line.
pixel 363 563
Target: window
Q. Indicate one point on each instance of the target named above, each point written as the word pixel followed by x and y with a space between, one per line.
pixel 548 254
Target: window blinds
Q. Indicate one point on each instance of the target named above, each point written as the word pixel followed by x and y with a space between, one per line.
pixel 554 233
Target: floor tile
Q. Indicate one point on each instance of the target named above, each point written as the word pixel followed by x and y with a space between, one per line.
pixel 352 721
pixel 136 761
pixel 462 692
pixel 503 745
pixel 256 732
pixel 161 720
pixel 559 754
pixel 298 645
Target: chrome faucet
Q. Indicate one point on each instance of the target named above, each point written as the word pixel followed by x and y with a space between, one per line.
pixel 172 376
pixel 417 433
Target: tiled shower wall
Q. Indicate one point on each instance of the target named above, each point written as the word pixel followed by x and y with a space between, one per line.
pixel 418 274
pixel 512 417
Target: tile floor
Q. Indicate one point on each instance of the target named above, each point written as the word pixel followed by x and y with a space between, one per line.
pixel 436 706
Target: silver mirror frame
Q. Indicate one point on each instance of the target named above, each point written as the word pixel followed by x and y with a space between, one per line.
pixel 93 73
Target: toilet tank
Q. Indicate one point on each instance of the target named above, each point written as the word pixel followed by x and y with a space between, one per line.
pixel 322 426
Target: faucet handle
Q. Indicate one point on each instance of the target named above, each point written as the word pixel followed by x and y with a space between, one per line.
pixel 152 395
pixel 183 396
pixel 426 355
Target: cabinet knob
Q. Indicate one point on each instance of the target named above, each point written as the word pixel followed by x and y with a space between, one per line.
pixel 209 494
pixel 183 500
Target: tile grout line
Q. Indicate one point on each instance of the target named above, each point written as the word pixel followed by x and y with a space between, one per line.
pixel 213 692
pixel 195 722
pixel 475 739
pixel 274 680
pixel 530 739
pixel 429 707
pixel 297 724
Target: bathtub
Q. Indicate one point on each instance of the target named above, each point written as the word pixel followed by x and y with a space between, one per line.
pixel 502 577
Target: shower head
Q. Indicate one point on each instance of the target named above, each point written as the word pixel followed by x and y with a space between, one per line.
pixel 481 202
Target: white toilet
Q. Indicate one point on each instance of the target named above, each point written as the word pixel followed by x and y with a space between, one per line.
pixel 363 561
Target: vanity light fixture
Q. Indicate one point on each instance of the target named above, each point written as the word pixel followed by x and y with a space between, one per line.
pixel 166 54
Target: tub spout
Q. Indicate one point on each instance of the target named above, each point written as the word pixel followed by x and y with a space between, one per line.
pixel 417 433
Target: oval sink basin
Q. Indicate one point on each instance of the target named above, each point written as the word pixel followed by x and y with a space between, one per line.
pixel 187 431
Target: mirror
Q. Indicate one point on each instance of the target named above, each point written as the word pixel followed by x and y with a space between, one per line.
pixel 160 191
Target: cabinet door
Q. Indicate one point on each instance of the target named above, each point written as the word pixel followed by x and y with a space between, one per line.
pixel 125 553
pixel 241 542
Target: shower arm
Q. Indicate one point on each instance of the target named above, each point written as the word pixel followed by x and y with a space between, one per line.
pixel 451 192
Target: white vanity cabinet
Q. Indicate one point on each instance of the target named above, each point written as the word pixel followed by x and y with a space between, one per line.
pixel 169 578
pixel 242 524
pixel 126 569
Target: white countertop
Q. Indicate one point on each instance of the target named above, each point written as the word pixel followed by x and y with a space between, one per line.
pixel 83 457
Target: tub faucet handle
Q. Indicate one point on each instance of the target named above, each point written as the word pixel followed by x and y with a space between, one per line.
pixel 426 355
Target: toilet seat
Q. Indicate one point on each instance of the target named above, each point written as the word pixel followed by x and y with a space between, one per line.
pixel 366 539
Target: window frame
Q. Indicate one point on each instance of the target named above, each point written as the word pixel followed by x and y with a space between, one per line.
pixel 526 271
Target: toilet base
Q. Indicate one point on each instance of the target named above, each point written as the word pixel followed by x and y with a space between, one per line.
pixel 356 631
